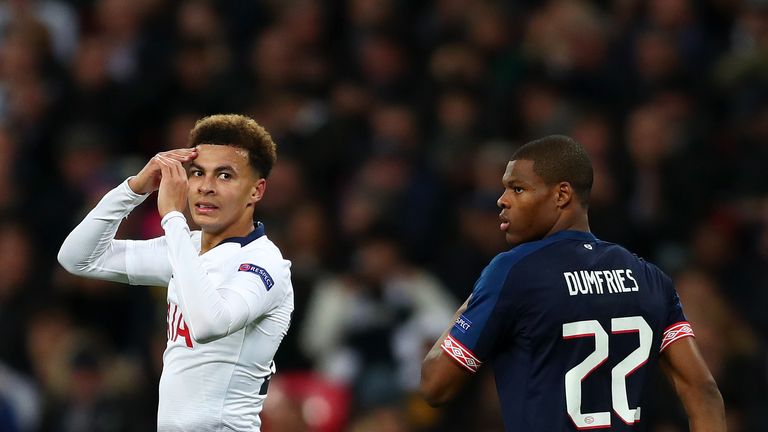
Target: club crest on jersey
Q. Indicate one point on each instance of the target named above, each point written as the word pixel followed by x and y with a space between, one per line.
pixel 463 324
pixel 258 271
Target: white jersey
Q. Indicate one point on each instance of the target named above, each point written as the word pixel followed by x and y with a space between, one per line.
pixel 228 310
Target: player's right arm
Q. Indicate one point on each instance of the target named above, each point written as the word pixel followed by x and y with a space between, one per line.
pixel 91 250
pixel 471 337
pixel 683 364
pixel 441 377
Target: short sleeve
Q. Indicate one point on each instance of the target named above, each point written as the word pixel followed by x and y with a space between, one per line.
pixel 475 334
pixel 676 326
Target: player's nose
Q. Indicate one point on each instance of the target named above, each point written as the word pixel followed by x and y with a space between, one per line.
pixel 205 185
pixel 501 203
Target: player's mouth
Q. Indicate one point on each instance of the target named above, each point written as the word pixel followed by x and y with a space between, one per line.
pixel 205 208
pixel 504 225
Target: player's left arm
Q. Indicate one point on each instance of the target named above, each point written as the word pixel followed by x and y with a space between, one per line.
pixel 683 364
pixel 441 377
pixel 210 311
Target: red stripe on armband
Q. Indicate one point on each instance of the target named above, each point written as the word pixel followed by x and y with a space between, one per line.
pixel 461 354
pixel 674 332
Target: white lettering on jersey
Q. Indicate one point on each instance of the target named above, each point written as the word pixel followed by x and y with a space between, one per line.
pixel 600 281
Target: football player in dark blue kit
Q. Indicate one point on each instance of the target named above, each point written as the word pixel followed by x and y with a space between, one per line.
pixel 572 326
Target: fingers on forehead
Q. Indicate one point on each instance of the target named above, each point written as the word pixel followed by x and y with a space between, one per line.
pixel 177 154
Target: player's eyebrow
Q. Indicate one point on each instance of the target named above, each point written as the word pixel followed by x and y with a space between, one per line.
pixel 510 180
pixel 219 168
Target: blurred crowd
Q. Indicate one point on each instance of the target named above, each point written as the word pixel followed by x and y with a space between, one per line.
pixel 394 121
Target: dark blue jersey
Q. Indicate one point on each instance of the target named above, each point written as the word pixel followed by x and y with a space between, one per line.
pixel 573 328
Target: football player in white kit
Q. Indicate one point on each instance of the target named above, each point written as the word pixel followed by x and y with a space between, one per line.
pixel 229 289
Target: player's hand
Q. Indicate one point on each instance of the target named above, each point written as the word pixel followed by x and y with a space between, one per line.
pixel 172 193
pixel 148 179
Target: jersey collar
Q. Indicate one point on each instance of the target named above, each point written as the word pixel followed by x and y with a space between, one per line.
pixel 258 231
pixel 573 235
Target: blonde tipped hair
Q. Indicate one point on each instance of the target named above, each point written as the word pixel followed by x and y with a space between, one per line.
pixel 239 131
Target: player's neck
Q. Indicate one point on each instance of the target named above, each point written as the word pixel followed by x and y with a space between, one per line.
pixel 571 222
pixel 582 224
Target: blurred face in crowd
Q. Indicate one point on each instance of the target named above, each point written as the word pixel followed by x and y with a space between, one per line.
pixel 528 205
pixel 223 189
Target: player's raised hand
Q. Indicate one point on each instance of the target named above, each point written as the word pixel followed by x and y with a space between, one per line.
pixel 172 193
pixel 148 179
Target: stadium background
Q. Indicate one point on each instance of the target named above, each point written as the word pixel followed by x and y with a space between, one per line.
pixel 394 121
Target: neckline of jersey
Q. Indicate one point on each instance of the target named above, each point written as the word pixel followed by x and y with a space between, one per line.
pixel 573 235
pixel 258 231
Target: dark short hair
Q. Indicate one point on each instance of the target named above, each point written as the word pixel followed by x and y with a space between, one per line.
pixel 559 158
pixel 237 131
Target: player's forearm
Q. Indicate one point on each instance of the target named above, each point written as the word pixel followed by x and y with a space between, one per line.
pixel 93 239
pixel 208 314
pixel 705 408
pixel 431 388
pixel 683 364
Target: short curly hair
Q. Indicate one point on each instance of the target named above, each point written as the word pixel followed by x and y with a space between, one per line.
pixel 237 131
pixel 559 158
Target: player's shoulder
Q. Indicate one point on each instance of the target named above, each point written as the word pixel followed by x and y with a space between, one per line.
pixel 262 247
pixel 652 270
pixel 521 255
pixel 506 261
pixel 498 271
pixel 503 276
pixel 263 253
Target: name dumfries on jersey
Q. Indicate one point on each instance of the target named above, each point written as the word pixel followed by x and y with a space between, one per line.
pixel 600 281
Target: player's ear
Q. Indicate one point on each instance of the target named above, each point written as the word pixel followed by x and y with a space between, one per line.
pixel 564 194
pixel 257 191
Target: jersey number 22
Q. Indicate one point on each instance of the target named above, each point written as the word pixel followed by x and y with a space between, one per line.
pixel 574 377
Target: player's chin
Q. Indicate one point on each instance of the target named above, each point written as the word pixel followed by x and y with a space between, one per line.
pixel 204 220
pixel 516 239
pixel 512 239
